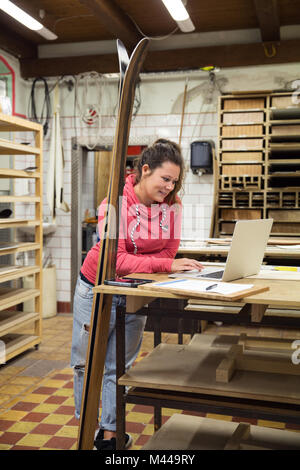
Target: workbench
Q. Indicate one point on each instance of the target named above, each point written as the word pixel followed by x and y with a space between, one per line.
pixel 184 376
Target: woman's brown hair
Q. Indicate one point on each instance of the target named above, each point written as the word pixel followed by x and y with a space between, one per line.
pixel 155 155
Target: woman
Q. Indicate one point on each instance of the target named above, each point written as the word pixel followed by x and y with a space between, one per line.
pixel 148 242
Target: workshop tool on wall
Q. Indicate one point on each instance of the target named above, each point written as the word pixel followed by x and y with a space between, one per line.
pixel 55 175
pixel 129 72
pixel 183 108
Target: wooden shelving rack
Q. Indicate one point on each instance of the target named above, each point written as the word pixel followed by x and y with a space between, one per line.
pixel 258 174
pixel 12 318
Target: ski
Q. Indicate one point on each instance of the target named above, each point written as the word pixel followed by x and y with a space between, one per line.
pixel 123 64
pixel 129 73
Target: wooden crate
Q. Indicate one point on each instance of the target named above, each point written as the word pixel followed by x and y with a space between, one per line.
pixel 286 130
pixel 283 101
pixel 241 131
pixel 288 215
pixel 232 157
pixel 242 144
pixel 242 182
pixel 240 170
pixel 288 228
pixel 243 118
pixel 240 214
pixel 244 103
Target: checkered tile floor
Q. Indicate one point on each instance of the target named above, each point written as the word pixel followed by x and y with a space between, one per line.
pixel 36 395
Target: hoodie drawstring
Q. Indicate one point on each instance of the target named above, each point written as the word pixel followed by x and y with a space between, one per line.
pixel 138 221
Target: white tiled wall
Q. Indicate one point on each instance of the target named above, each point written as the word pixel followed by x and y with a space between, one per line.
pixel 197 191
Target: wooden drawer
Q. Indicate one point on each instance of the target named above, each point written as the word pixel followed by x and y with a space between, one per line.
pixel 242 144
pixel 287 215
pixel 239 170
pixel 241 131
pixel 240 214
pixel 244 103
pixel 231 157
pixel 227 227
pixel 243 118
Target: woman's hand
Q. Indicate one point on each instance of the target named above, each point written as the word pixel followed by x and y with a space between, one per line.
pixel 185 264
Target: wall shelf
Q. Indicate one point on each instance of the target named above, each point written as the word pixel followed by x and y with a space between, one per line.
pixel 12 295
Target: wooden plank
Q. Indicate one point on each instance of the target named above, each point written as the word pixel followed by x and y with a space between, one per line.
pixel 265 344
pixel 133 303
pixel 281 294
pixel 227 367
pixel 241 433
pixel 17 272
pixel 256 311
pixel 184 432
pixel 182 368
pixel 242 170
pixel 236 55
pixel 17 124
pixel 282 102
pixel 102 167
pixel 20 247
pixel 241 157
pixel 237 359
pixel 286 130
pixel 9 296
pixel 242 130
pixel 243 103
pixel 16 344
pixel 12 173
pixel 11 148
pixel 286 228
pixel 285 146
pixel 242 144
pixel 241 214
pixel 12 198
pixel 10 320
pixel 284 215
pixel 268 19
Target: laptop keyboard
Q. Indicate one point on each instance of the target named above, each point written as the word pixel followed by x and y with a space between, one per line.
pixel 215 275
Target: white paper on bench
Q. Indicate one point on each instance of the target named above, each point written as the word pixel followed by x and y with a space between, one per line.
pixel 195 285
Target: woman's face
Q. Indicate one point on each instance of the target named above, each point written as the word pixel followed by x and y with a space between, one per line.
pixel 157 184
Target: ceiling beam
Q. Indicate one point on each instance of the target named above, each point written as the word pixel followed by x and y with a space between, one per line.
pixel 115 21
pixel 268 19
pixel 16 45
pixel 241 55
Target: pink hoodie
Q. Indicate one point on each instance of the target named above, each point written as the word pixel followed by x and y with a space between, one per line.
pixel 148 240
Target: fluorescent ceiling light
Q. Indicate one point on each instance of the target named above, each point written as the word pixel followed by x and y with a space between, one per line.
pixel 18 14
pixel 179 13
pixel 47 34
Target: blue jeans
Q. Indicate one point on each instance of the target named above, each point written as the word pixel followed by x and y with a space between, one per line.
pixel 134 328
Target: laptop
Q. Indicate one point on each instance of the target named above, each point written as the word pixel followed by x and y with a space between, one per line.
pixel 245 255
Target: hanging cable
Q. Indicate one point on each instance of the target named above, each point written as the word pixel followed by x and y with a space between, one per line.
pixel 46 104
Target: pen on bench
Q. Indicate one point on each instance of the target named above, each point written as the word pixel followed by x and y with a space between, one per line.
pixel 211 287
